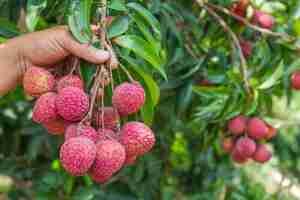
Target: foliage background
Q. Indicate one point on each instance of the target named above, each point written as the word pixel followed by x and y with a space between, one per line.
pixel 170 56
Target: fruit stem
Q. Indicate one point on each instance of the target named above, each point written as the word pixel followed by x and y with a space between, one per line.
pixel 247 23
pixel 127 73
pixel 243 63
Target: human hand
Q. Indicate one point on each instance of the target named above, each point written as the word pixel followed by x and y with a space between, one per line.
pixel 44 49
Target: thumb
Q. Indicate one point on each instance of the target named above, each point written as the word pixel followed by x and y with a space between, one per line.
pixel 85 51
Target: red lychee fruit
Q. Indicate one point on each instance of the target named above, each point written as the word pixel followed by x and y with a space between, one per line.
pixel 271 133
pixel 245 147
pixel 69 81
pixel 77 155
pixel 237 125
pixel 257 128
pixel 128 98
pixel 110 158
pixel 76 130
pixel 262 154
pixel 228 144
pixel 111 118
pixel 295 80
pixel 238 158
pixel 56 126
pixel 130 160
pixel 240 8
pixel 44 109
pixel 72 104
pixel 264 20
pixel 246 48
pixel 137 138
pixel 104 134
pixel 38 81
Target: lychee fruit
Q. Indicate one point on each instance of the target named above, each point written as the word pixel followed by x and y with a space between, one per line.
pixel 44 109
pixel 110 158
pixel 238 158
pixel 76 130
pixel 56 126
pixel 38 81
pixel 72 104
pixel 245 147
pixel 228 144
pixel 262 154
pixel 128 98
pixel 237 125
pixel 257 128
pixel 130 160
pixel 137 138
pixel 271 133
pixel 104 134
pixel 246 48
pixel 295 80
pixel 240 7
pixel 69 81
pixel 264 20
pixel 77 155
pixel 110 118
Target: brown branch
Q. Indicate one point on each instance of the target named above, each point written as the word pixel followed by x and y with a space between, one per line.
pixel 243 63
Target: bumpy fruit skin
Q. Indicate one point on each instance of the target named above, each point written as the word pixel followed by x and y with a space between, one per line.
pixel 237 125
pixel 69 81
pixel 128 98
pixel 38 81
pixel 262 154
pixel 72 104
pixel 228 144
pixel 246 48
pixel 56 126
pixel 75 130
pixel 257 128
pixel 77 155
pixel 238 158
pixel 111 118
pixel 104 134
pixel 295 80
pixel 271 133
pixel 137 138
pixel 264 20
pixel 245 147
pixel 110 158
pixel 44 109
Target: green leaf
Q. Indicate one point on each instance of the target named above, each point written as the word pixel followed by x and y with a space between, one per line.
pixel 79 20
pixel 34 9
pixel 8 29
pixel 118 26
pixel 184 97
pixel 147 15
pixel 274 78
pixel 143 49
pixel 118 5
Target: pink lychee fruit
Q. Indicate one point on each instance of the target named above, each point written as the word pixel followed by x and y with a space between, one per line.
pixel 69 81
pixel 257 128
pixel 76 130
pixel 44 109
pixel 264 20
pixel 77 155
pixel 237 125
pixel 245 147
pixel 128 98
pixel 38 81
pixel 271 133
pixel 104 134
pixel 110 119
pixel 56 126
pixel 137 138
pixel 72 104
pixel 295 80
pixel 246 48
pixel 262 154
pixel 110 158
pixel 238 158
pixel 130 160
pixel 228 144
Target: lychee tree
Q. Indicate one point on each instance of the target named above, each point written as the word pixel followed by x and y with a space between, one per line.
pixel 215 80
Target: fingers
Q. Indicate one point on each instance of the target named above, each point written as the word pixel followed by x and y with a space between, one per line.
pixel 85 51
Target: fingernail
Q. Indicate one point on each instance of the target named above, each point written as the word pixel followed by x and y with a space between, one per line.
pixel 100 54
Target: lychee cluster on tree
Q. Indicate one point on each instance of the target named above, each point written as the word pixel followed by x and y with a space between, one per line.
pixel 246 139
